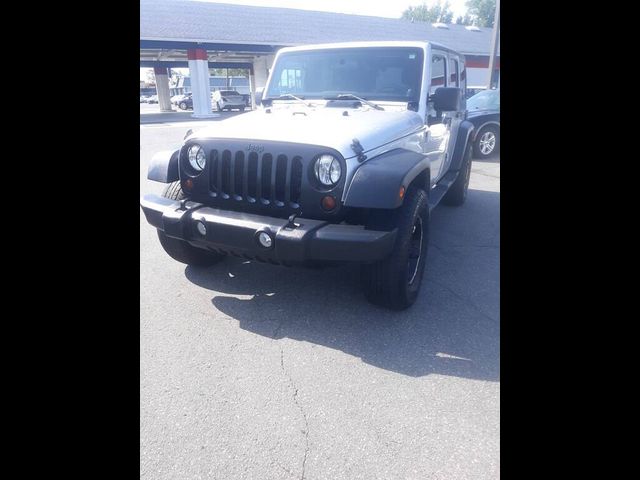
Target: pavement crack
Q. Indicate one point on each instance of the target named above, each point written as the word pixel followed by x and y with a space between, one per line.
pixel 302 412
pixel 276 332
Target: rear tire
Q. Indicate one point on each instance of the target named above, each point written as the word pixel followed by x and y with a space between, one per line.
pixel 457 193
pixel 395 282
pixel 183 106
pixel 179 249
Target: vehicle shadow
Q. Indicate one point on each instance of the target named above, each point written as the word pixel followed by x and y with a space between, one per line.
pixel 452 329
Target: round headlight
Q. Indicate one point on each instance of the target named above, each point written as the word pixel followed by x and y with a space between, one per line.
pixel 328 170
pixel 197 158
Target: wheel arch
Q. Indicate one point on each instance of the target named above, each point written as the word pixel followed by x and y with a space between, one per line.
pixel 164 167
pixel 483 125
pixel 377 182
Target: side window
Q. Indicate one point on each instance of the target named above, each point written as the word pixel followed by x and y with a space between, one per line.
pixel 453 73
pixel 438 79
pixel 437 73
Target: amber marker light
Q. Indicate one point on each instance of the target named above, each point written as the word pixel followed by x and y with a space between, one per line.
pixel 328 202
pixel 188 184
pixel 401 192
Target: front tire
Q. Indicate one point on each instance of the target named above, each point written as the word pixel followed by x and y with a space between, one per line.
pixel 183 106
pixel 179 249
pixel 395 282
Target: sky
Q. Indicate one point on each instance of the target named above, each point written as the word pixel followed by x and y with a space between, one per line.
pixel 375 8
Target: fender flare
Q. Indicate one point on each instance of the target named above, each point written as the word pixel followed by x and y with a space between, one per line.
pixel 377 182
pixel 465 135
pixel 164 167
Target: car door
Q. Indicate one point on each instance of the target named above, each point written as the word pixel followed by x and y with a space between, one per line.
pixel 452 119
pixel 438 133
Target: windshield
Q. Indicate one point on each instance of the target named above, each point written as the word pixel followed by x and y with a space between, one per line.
pixel 487 100
pixel 228 92
pixel 373 73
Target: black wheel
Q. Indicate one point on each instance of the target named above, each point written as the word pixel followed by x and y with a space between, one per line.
pixel 183 106
pixel 242 109
pixel 457 193
pixel 487 142
pixel 395 281
pixel 179 249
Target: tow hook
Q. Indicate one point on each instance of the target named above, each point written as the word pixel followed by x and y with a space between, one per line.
pixel 291 223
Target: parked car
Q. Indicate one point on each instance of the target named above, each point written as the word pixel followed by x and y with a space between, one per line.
pixel 144 99
pixel 484 112
pixel 175 100
pixel 186 102
pixel 471 91
pixel 344 165
pixel 153 99
pixel 228 99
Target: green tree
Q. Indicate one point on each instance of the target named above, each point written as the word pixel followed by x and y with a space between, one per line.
pixel 233 72
pixel 150 76
pixel 483 12
pixel 464 20
pixel 424 13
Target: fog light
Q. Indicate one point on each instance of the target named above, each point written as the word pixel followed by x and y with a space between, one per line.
pixel 328 202
pixel 265 239
pixel 202 228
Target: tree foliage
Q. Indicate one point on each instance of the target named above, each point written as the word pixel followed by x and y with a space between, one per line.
pixel 232 72
pixel 439 12
pixel 482 12
pixel 150 76
pixel 479 12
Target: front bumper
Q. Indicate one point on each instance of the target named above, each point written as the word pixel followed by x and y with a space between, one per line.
pixel 236 233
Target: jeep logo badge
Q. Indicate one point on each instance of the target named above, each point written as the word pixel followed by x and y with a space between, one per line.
pixel 255 148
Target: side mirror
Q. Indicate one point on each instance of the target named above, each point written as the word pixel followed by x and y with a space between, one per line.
pixel 447 99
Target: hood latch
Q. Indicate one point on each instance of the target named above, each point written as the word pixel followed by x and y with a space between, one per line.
pixel 358 149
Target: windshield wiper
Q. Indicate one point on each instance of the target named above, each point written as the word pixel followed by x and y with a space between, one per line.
pixel 344 96
pixel 287 96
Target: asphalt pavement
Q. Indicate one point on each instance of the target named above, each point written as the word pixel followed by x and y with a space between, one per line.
pixel 254 371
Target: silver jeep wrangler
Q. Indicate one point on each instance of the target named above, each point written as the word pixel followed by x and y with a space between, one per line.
pixel 353 145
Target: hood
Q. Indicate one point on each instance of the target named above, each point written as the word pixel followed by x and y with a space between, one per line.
pixel 324 126
pixel 477 113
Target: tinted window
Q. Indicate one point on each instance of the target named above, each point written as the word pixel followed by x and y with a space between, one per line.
pixel 382 73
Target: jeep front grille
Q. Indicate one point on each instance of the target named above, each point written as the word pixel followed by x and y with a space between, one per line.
pixel 256 178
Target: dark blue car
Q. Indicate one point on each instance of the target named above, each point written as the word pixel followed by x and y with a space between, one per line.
pixel 484 112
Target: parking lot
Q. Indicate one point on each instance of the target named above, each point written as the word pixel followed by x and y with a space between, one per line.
pixel 255 371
